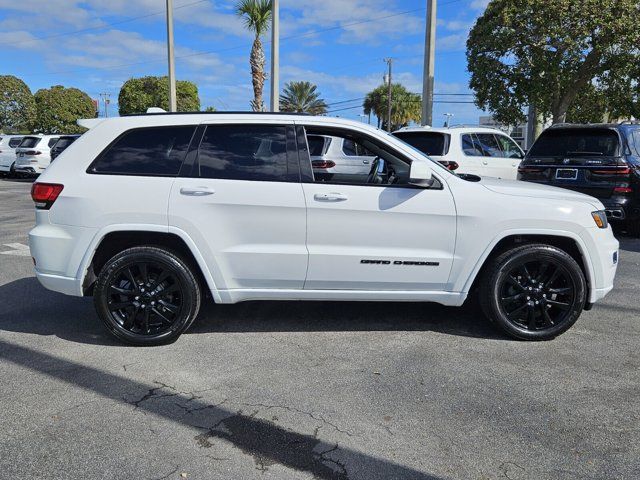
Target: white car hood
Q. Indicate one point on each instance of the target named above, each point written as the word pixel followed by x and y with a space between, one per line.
pixel 528 189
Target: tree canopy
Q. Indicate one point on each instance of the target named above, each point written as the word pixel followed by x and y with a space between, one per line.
pixel 17 105
pixel 58 108
pixel 139 94
pixel 548 53
pixel 302 97
pixel 406 107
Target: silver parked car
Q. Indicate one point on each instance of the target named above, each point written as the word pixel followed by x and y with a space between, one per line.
pixel 339 159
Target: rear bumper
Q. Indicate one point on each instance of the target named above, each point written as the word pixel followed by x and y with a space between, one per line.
pixel 57 283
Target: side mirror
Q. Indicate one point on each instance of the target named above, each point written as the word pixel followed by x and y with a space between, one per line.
pixel 420 175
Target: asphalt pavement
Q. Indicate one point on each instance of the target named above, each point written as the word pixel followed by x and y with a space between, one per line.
pixel 311 390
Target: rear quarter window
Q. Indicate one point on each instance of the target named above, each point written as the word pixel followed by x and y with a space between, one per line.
pixel 157 151
pixel 14 142
pixel 430 143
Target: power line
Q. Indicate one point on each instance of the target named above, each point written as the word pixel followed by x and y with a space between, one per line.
pixel 101 27
pixel 209 52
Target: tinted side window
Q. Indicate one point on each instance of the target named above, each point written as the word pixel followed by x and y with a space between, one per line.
pixel 14 142
pixel 471 146
pixel 489 145
pixel 316 145
pixel 244 152
pixel 52 142
pixel 146 151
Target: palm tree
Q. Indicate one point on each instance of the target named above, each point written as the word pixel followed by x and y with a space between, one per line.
pixel 257 16
pixel 406 107
pixel 302 97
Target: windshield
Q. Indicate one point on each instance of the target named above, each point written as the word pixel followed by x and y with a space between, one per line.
pixel 431 143
pixel 567 142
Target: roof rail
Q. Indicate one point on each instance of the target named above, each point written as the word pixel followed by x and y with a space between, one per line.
pixel 157 112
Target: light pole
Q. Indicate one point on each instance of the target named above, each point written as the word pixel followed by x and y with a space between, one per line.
pixel 275 56
pixel 172 68
pixel 429 63
pixel 390 63
pixel 447 122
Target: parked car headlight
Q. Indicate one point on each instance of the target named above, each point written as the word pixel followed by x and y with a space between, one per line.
pixel 600 217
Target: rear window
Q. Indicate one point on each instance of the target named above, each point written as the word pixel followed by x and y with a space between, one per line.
pixel 14 142
pixel 30 142
pixel 64 142
pixel 431 143
pixel 316 145
pixel 146 151
pixel 576 143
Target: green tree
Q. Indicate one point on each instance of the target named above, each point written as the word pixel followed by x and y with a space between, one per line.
pixel 302 97
pixel 257 16
pixel 406 107
pixel 58 109
pixel 210 108
pixel 547 53
pixel 139 94
pixel 17 105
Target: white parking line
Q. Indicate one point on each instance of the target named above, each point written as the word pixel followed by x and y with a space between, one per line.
pixel 17 249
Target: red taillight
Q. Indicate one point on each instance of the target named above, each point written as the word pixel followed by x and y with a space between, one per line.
pixel 33 152
pixel 323 164
pixel 623 190
pixel 621 171
pixel 451 165
pixel 530 170
pixel 44 194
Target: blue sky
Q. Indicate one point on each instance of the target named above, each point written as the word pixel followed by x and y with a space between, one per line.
pixel 96 45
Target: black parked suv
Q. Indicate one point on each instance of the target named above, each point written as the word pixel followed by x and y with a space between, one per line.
pixel 601 160
pixel 62 144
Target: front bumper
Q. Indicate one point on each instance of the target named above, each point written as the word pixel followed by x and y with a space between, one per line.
pixel 603 251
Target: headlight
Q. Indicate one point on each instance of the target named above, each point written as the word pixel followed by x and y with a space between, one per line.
pixel 600 217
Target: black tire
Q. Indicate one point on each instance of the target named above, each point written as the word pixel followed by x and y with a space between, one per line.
pixel 533 292
pixel 12 170
pixel 147 296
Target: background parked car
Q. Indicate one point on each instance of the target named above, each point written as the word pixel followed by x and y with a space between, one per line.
pixel 8 144
pixel 336 158
pixel 600 160
pixel 475 150
pixel 62 144
pixel 33 154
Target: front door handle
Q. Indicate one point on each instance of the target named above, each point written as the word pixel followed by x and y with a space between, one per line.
pixel 196 191
pixel 330 197
pixel 366 162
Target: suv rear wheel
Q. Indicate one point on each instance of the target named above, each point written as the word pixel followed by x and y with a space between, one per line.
pixel 533 292
pixel 147 296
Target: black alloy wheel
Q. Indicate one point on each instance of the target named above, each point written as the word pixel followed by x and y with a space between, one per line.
pixel 533 292
pixel 147 296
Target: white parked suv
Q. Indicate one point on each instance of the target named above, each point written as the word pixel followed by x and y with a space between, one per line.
pixel 338 159
pixel 8 145
pixel 148 213
pixel 480 151
pixel 33 154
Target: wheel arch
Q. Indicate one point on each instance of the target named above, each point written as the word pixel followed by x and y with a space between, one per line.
pixel 566 241
pixel 116 239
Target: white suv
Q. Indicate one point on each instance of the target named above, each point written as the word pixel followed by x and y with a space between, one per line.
pixel 147 213
pixel 8 145
pixel 33 154
pixel 487 152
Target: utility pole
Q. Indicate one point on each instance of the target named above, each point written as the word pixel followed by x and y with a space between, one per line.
pixel 389 80
pixel 106 101
pixel 275 56
pixel 172 68
pixel 429 63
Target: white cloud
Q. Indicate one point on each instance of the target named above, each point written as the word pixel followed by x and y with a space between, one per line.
pixel 479 4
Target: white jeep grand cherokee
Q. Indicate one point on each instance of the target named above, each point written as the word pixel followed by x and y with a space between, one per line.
pixel 147 213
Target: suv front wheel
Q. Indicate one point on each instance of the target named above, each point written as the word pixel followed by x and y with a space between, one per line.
pixel 533 292
pixel 147 296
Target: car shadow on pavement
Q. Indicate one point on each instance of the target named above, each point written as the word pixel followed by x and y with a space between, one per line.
pixel 266 441
pixel 29 308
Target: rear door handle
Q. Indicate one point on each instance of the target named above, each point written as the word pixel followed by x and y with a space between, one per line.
pixel 330 197
pixel 196 191
pixel 366 162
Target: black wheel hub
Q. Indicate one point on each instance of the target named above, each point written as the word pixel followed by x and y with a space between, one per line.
pixel 145 298
pixel 537 295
